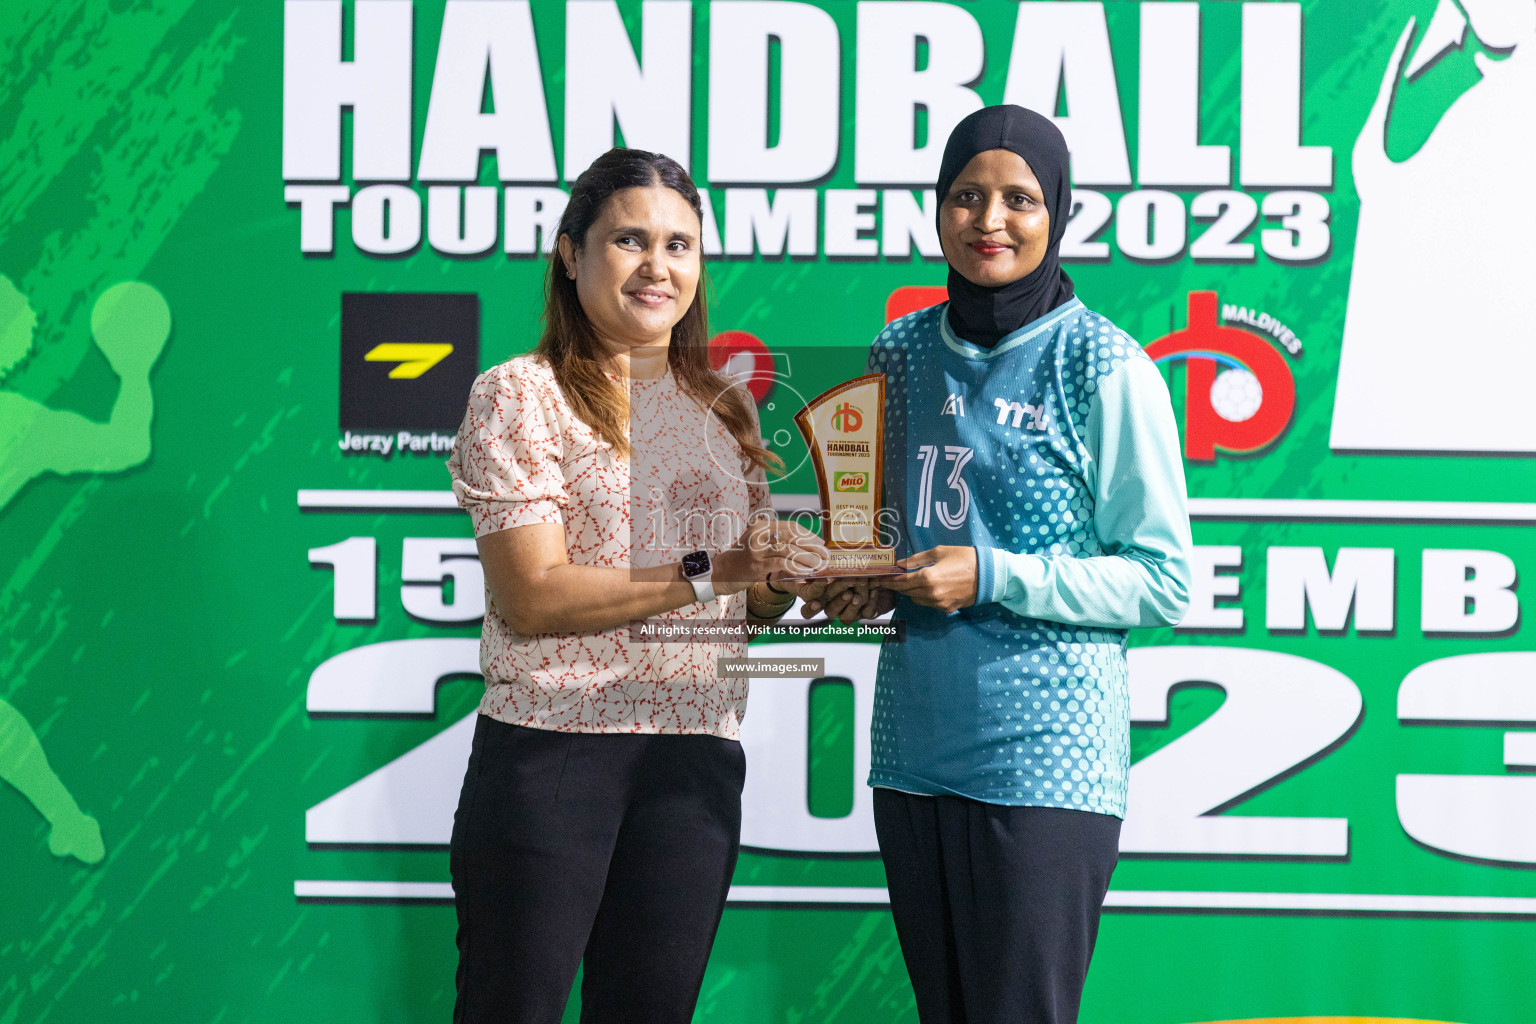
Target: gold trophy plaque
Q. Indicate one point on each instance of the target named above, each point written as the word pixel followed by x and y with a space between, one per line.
pixel 845 431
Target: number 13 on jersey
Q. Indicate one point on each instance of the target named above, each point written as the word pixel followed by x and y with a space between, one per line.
pixel 952 516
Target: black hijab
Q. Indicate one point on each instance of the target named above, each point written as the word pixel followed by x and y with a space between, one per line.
pixel 983 315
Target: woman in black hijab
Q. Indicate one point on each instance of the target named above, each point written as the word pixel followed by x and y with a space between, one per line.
pixel 982 313
pixel 1044 493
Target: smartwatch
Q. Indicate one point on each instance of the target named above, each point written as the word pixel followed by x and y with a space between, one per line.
pixel 697 569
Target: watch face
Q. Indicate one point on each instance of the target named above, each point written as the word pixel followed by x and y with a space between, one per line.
pixel 695 563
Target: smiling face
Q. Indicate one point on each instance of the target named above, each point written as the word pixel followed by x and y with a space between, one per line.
pixel 637 271
pixel 994 226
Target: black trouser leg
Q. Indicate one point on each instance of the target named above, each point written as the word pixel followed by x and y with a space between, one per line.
pixel 908 830
pixel 619 848
pixel 528 859
pixel 667 884
pixel 1016 892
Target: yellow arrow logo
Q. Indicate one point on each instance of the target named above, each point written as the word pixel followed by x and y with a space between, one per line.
pixel 414 360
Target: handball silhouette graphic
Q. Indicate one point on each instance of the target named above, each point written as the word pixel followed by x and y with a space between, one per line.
pixel 130 324
pixel 1437 353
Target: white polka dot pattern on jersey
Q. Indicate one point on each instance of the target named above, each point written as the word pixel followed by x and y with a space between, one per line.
pixel 987 703
pixel 524 457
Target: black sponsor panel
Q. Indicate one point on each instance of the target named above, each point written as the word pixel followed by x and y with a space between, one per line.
pixel 407 359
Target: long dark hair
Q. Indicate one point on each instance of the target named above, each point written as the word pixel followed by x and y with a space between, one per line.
pixel 569 342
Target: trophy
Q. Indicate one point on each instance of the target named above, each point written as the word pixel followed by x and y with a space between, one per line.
pixel 845 431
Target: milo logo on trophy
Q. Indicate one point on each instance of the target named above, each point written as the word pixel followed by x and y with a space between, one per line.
pixel 845 431
pixel 850 481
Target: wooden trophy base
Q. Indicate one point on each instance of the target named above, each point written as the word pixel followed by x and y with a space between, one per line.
pixel 864 563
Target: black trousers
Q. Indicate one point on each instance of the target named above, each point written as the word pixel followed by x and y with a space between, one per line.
pixel 996 908
pixel 616 851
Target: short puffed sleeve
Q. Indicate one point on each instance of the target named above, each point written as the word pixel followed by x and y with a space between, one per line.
pixel 506 462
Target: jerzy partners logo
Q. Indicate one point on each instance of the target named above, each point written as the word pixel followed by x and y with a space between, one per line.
pixel 407 363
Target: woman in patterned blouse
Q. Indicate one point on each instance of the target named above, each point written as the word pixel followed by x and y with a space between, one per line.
pixel 600 816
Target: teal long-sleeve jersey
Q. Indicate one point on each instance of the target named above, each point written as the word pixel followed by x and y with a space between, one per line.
pixel 1056 456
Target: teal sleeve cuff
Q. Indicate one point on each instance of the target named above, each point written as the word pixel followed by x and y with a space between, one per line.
pixel 991 575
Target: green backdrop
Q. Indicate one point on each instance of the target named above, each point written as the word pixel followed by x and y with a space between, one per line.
pixel 161 614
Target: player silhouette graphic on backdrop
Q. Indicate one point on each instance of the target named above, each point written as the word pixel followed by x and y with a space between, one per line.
pixel 130 323
pixel 1437 352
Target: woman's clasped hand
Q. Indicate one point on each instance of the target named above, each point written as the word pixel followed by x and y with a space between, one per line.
pixel 772 550
pixel 943 577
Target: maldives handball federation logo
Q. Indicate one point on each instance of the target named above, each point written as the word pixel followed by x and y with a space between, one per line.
pixel 847 417
pixel 1239 393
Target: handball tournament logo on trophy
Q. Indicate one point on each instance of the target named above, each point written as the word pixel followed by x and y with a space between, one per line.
pixel 845 430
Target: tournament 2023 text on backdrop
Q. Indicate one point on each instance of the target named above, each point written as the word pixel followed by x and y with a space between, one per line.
pixel 253 254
